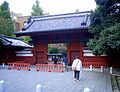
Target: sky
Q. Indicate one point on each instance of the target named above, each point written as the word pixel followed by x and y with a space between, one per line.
pixel 51 6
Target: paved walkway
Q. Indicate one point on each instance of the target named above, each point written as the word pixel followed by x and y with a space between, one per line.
pixel 26 81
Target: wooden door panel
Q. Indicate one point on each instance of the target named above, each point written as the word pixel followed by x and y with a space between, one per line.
pixel 40 57
pixel 73 55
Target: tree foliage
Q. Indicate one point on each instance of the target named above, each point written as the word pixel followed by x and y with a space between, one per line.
pixel 36 9
pixel 6 27
pixel 110 40
pixel 52 50
pixel 105 25
pixel 6 23
pixel 5 11
pixel 27 39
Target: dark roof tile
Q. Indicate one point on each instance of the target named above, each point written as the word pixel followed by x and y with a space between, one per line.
pixel 57 22
pixel 13 41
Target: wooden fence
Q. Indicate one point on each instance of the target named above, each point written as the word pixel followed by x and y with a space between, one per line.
pixel 95 64
pixel 53 67
pixel 50 67
pixel 19 66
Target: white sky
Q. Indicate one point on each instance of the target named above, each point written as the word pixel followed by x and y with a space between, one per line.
pixel 51 6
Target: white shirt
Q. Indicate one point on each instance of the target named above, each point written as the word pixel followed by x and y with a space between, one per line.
pixel 77 65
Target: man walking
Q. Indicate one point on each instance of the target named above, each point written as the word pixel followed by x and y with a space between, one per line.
pixel 77 68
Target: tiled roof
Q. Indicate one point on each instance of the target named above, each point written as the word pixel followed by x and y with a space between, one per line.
pixel 59 22
pixel 10 41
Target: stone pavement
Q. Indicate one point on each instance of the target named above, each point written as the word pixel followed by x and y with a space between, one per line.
pixel 26 81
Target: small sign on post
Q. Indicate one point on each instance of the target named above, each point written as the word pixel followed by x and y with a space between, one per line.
pixel 3 64
pixel 38 88
pixel 2 86
pixel 110 70
pixel 101 69
pixel 90 67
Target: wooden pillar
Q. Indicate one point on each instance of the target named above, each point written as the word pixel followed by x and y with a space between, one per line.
pixel 81 52
pixel 34 55
pixel 68 53
pixel 41 53
pixel 74 49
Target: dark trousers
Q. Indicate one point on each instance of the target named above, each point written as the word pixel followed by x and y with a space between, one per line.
pixel 76 74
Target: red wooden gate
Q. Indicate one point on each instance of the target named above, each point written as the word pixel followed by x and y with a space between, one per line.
pixel 39 57
pixel 73 55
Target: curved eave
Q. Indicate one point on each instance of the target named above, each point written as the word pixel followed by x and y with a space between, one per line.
pixel 24 33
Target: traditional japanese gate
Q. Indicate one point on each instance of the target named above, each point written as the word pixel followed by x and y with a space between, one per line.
pixel 71 29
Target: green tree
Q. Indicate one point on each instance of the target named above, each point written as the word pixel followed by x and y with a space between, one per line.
pixel 6 23
pixel 27 39
pixel 105 27
pixel 63 51
pixel 52 50
pixel 110 40
pixel 6 27
pixel 5 11
pixel 36 9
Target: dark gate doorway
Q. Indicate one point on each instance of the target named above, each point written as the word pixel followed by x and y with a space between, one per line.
pixel 39 57
pixel 56 52
pixel 73 55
